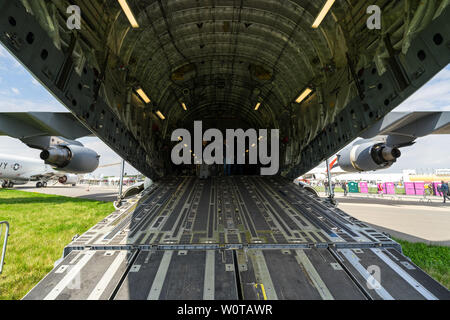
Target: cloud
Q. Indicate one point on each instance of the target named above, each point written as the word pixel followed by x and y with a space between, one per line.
pixel 7 61
pixel 14 104
pixel 433 96
pixel 15 147
pixel 427 154
pixel 107 158
pixel 3 52
pixel 15 90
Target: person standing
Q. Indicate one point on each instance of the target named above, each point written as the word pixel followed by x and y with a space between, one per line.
pixel 444 190
pixel 344 186
pixel 380 189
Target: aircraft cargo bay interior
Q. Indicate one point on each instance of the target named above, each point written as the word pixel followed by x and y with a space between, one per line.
pixel 297 79
pixel 137 70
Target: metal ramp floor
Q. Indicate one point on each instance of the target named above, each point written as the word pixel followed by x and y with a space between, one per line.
pixel 233 238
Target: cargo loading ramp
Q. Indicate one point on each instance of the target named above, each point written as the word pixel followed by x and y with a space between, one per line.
pixel 232 238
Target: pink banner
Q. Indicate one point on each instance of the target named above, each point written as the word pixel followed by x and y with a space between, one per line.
pixel 409 188
pixel 436 187
pixel 363 187
pixel 420 188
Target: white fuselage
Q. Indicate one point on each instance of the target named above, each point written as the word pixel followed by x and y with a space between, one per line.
pixel 20 169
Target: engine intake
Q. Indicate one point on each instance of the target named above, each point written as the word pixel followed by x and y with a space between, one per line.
pixel 68 179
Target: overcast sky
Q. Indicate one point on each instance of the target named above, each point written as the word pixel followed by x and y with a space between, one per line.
pixel 20 92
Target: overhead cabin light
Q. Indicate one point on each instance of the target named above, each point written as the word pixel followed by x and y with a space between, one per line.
pixel 160 115
pixel 323 13
pixel 142 94
pixel 127 10
pixel 184 106
pixel 257 106
pixel 304 94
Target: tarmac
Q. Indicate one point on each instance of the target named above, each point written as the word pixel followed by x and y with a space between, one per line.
pixel 410 218
pixel 98 193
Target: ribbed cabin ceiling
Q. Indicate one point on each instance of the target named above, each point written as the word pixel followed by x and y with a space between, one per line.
pixel 222 58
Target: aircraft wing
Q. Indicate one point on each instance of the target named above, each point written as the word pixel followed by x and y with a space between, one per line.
pixel 39 173
pixel 42 176
pixel 404 127
pixel 46 176
pixel 25 125
pixel 379 148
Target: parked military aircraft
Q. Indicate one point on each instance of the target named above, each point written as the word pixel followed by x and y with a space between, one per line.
pixel 20 170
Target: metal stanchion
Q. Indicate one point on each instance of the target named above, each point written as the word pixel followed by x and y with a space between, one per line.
pixel 330 189
pixel 119 196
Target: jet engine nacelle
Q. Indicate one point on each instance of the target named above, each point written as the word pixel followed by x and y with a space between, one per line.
pixel 68 179
pixel 367 156
pixel 71 158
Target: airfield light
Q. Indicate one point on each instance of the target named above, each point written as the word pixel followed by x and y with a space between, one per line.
pixel 142 94
pixel 304 94
pixel 323 13
pixel 127 10
pixel 160 115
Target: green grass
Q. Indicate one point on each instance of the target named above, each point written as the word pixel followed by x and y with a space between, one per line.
pixel 434 260
pixel 40 227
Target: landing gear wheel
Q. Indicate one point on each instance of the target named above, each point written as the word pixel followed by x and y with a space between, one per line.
pixel 10 184
pixel 44 184
pixel 39 185
pixel 4 184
